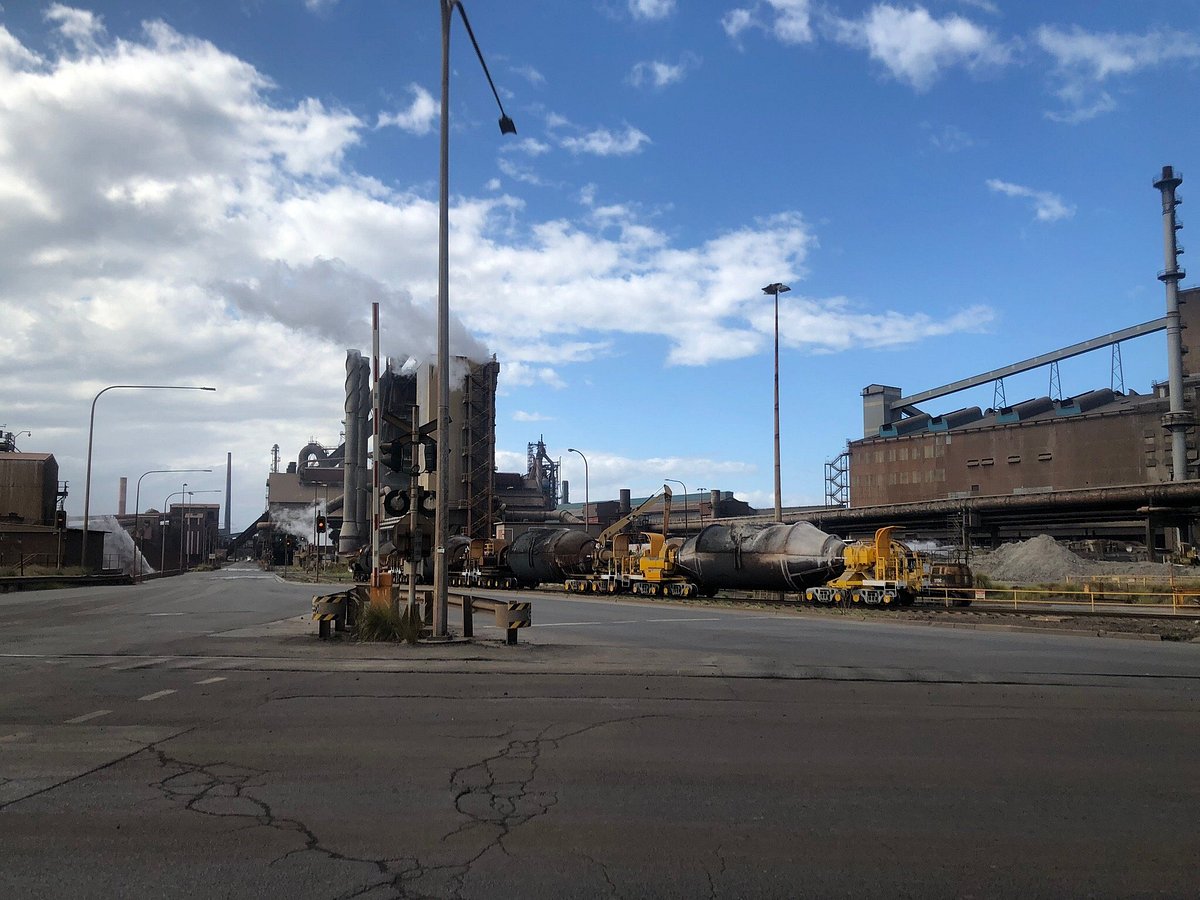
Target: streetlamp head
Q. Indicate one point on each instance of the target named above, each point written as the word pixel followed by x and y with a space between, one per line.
pixel 777 288
pixel 507 125
pixel 572 450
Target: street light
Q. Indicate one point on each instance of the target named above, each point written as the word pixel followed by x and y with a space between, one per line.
pixel 587 516
pixel 700 492
pixel 137 513
pixel 162 534
pixel 87 484
pixel 442 497
pixel 776 289
pixel 685 501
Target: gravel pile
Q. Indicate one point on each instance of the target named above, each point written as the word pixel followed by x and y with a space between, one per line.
pixel 1039 560
pixel 1042 560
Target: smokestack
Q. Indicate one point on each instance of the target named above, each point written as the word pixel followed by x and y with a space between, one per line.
pixel 625 504
pixel 228 491
pixel 1177 420
pixel 566 491
pixel 714 498
pixel 121 494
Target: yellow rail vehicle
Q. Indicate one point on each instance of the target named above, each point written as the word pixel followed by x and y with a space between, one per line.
pixel 881 572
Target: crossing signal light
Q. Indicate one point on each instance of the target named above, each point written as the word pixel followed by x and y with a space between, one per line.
pixel 60 519
pixel 397 455
pixel 320 524
pixel 426 502
pixel 396 503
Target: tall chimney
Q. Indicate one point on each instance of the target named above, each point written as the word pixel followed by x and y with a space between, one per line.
pixel 228 491
pixel 122 492
pixel 1177 420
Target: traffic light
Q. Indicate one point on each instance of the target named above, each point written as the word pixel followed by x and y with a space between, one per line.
pixel 60 519
pixel 320 524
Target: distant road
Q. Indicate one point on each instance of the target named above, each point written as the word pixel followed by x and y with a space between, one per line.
pixel 191 737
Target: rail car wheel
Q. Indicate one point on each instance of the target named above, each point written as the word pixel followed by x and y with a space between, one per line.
pixel 888 598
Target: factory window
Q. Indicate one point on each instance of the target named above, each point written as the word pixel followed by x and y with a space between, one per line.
pixel 891 454
pixel 878 456
pixel 928 452
pixel 972 463
pixel 904 478
pixel 891 477
pixel 1045 456
pixel 1014 459
pixel 987 462
pixel 904 454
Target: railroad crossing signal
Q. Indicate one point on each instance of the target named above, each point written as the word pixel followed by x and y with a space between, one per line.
pixel 320 524
pixel 398 454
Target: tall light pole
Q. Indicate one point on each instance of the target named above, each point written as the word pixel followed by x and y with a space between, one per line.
pixel 442 498
pixel 87 484
pixel 162 550
pixel 137 513
pixel 700 505
pixel 685 501
pixel 587 516
pixel 776 289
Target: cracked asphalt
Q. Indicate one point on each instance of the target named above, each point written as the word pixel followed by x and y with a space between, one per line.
pixel 218 750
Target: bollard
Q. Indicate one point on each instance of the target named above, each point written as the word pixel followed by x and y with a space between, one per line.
pixel 510 637
pixel 468 628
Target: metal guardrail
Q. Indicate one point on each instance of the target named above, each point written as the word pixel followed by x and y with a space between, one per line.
pixel 1095 598
pixel 337 611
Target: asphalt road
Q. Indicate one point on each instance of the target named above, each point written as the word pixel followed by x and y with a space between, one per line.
pixel 191 737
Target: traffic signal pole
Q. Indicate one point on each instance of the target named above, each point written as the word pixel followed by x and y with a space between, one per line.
pixel 414 492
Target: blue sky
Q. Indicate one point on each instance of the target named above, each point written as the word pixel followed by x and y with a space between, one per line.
pixel 214 193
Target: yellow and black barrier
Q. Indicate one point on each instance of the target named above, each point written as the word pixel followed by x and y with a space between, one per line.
pixel 332 609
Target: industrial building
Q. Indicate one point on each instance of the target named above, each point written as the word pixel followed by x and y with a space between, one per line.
pixel 1108 462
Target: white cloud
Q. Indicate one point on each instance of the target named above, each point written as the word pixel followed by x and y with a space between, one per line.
pixel 658 74
pixel 1085 60
pixel 603 142
pixel 82 28
pixel 790 21
pixel 530 74
pixel 948 138
pixel 651 10
pixel 521 416
pixel 420 115
pixel 1047 206
pixel 917 48
pixel 608 473
pixel 165 212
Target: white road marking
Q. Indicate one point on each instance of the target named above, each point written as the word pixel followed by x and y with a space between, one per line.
pixel 682 619
pixel 567 624
pixel 87 717
pixel 212 680
pixel 169 614
pixel 15 736
pixel 158 694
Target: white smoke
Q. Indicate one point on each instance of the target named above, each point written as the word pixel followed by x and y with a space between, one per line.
pixel 298 521
pixel 118 545
pixel 329 299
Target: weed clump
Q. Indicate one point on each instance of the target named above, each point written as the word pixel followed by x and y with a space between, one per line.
pixel 383 623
